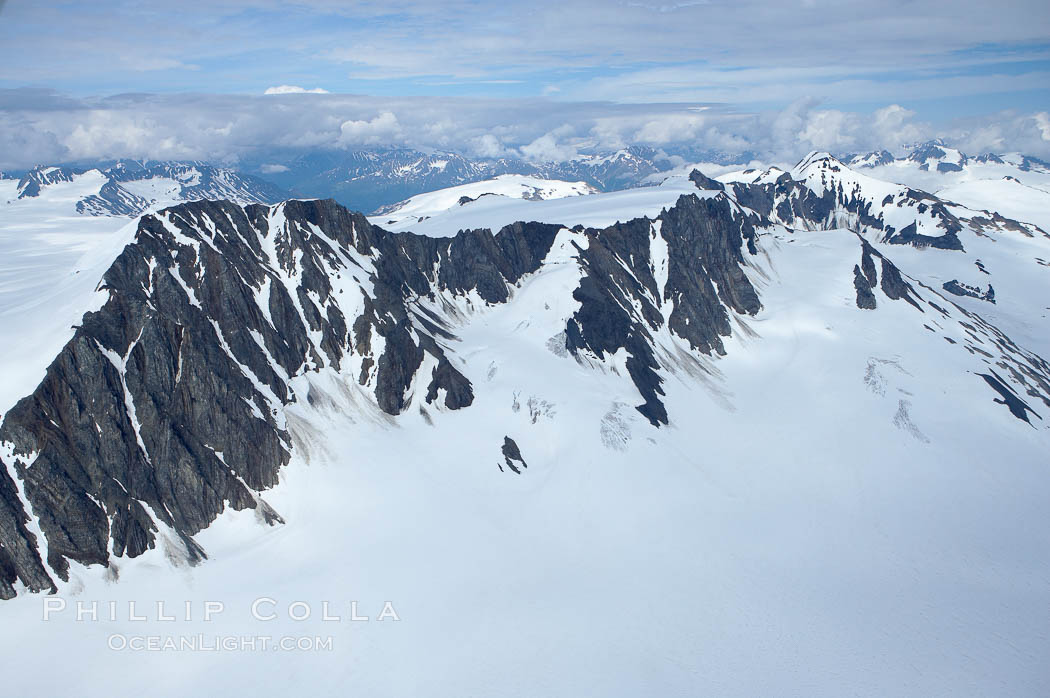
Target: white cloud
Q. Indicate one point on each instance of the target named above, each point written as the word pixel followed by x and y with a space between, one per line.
pixel 488 146
pixel 829 130
pixel 548 147
pixel 1042 122
pixel 294 90
pixel 893 126
pixel 384 128
pixel 269 168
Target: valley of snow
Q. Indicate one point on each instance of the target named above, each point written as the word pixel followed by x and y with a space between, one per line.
pixel 839 506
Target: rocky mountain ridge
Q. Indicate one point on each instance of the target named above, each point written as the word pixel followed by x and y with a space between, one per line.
pixel 169 404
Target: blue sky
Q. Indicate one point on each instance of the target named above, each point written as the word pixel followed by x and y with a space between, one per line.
pixel 945 63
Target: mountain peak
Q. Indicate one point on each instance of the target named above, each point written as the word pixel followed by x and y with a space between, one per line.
pixel 818 159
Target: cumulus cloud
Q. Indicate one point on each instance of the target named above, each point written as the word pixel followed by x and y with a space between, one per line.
pixel 1042 122
pixel 294 90
pixel 894 127
pixel 384 128
pixel 550 148
pixel 766 78
pixel 672 128
pixel 488 146
pixel 829 129
pixel 24 144
pixel 1007 131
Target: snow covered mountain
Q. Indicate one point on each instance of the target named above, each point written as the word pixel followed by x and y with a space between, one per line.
pixel 753 409
pixel 936 156
pixel 129 188
pixel 999 261
pixel 423 206
pixel 369 180
pixel 1012 184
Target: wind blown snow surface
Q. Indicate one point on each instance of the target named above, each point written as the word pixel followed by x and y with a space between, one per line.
pixel 838 507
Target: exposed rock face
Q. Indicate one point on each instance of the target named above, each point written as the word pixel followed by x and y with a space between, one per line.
pixel 702 181
pixel 867 263
pixel 957 288
pixel 1018 407
pixel 167 405
pixel 822 193
pixel 30 183
pixel 908 235
pixel 112 200
pixel 20 558
pixel 894 285
pixel 865 298
pixel 512 456
pixel 703 239
pixel 872 159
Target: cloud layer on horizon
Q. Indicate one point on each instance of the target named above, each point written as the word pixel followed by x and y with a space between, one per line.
pixel 45 127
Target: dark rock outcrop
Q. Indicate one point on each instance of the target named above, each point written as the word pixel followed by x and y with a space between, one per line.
pixel 865 298
pixel 957 288
pixel 165 407
pixel 894 285
pixel 703 182
pixel 512 456
pixel 705 276
pixel 1018 407
pixel 112 200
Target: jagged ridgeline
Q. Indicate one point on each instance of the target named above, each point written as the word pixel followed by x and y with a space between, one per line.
pixel 167 405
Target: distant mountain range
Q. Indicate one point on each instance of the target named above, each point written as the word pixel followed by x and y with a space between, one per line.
pixel 374 180
pixel 936 156
pixel 368 180
pixel 130 188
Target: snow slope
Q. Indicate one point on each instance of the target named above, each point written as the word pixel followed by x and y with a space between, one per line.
pixel 1007 196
